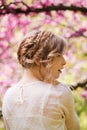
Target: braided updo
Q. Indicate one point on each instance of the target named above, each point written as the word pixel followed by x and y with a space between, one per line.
pixel 41 45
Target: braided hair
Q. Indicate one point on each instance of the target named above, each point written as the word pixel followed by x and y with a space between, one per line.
pixel 41 45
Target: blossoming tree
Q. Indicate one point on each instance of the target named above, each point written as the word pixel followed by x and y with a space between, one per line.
pixel 66 17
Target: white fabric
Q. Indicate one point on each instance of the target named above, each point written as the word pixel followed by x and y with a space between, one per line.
pixel 39 106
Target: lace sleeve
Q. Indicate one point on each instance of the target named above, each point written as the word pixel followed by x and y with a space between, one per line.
pixel 6 126
pixel 4 113
pixel 67 101
pixel 6 106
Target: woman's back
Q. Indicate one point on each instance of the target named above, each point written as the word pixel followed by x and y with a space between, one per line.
pixel 38 106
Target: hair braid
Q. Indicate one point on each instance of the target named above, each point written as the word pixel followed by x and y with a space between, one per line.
pixel 40 45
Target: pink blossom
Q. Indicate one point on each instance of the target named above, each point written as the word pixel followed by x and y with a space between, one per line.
pixel 47 2
pixel 84 94
pixel 36 4
pixel 84 47
pixel 4 86
pixel 6 54
pixel 84 24
pixel 59 17
pixel 3 2
pixel 2 90
pixel 18 0
pixel 79 2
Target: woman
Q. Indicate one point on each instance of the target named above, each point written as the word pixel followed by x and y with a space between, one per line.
pixel 38 101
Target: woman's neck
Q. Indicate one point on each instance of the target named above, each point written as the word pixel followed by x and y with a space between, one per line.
pixel 34 75
pixel 28 77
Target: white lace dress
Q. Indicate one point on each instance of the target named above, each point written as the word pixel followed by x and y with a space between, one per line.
pixel 39 106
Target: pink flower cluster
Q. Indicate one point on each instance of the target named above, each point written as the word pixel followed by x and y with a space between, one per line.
pixel 84 95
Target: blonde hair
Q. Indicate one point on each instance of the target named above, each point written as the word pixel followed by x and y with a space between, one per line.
pixel 41 45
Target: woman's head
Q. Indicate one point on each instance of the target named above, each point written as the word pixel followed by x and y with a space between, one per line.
pixel 41 45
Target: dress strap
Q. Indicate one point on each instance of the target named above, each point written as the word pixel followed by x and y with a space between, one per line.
pixel 44 100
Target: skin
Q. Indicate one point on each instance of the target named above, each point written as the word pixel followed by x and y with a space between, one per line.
pixel 34 74
pixel 57 65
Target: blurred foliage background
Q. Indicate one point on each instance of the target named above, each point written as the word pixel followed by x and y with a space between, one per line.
pixel 67 18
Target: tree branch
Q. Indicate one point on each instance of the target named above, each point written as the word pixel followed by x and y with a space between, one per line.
pixel 14 8
pixel 82 84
